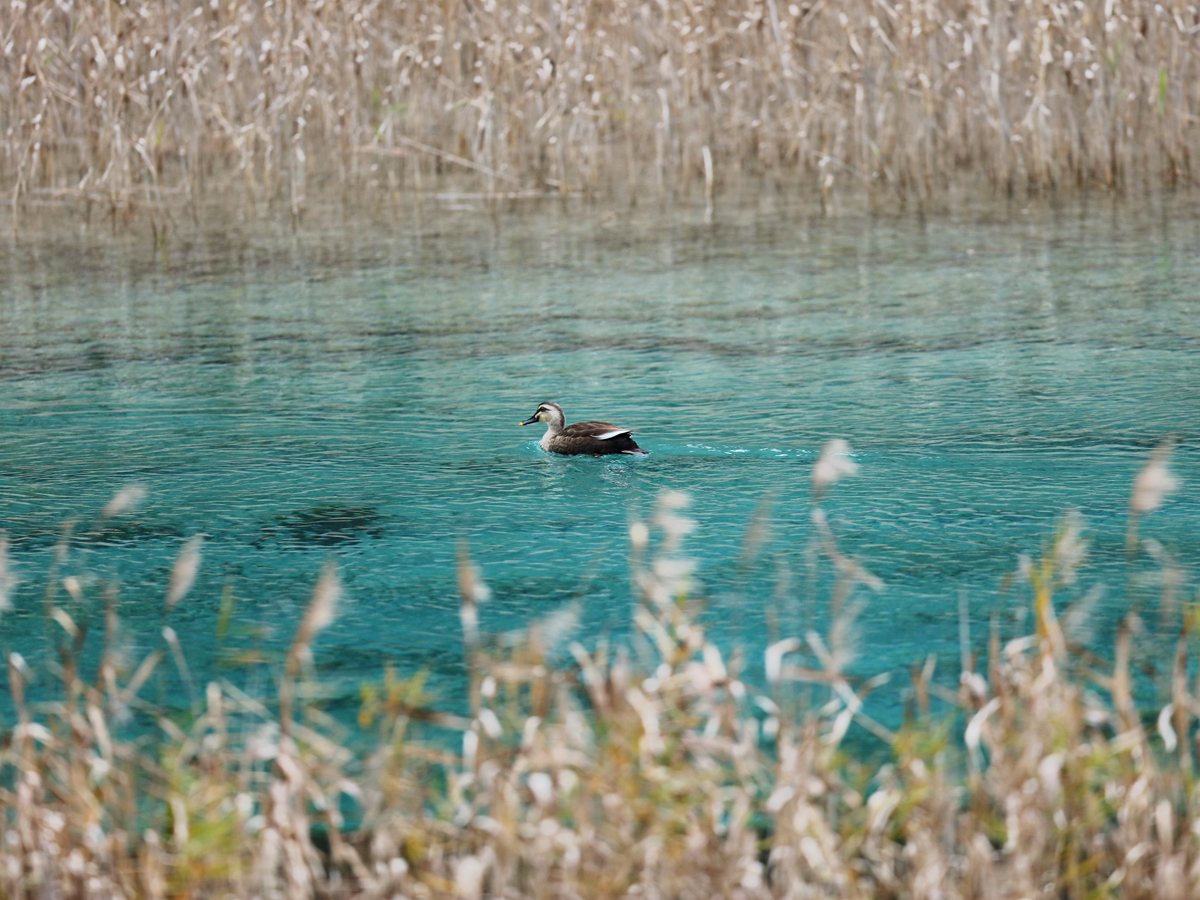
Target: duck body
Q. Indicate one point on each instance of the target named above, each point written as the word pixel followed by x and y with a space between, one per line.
pixel 582 438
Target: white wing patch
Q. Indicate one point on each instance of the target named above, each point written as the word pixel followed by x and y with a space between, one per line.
pixel 610 434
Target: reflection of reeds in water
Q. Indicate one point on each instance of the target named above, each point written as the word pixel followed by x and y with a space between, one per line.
pixel 115 102
pixel 650 771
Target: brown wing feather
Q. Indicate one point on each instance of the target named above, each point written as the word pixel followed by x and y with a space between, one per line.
pixel 583 437
pixel 588 429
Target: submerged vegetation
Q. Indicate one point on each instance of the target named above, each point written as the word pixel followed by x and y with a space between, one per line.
pixel 649 769
pixel 120 104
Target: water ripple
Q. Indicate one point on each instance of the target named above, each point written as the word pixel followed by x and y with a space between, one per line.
pixel 364 404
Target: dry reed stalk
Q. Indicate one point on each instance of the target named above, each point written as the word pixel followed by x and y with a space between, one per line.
pixel 124 104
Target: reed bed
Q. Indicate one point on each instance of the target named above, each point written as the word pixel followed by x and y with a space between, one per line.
pixel 127 103
pixel 646 769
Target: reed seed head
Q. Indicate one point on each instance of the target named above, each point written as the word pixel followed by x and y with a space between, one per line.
pixel 8 580
pixel 1153 482
pixel 183 573
pixel 125 500
pixel 832 466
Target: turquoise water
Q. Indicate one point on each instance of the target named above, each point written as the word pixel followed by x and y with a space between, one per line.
pixel 353 392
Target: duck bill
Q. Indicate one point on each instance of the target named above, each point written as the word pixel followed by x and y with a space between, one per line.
pixel 529 421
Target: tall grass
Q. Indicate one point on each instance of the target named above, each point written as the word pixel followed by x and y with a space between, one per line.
pixel 117 103
pixel 645 770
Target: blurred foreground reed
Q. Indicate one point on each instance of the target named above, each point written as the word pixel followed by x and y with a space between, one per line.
pixel 647 769
pixel 124 104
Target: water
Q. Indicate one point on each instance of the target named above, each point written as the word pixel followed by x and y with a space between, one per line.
pixel 352 392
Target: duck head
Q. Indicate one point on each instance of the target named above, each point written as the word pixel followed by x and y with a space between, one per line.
pixel 551 414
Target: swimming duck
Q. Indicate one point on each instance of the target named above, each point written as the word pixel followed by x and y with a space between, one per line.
pixel 596 438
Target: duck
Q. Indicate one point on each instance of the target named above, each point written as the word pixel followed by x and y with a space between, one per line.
pixel 595 438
